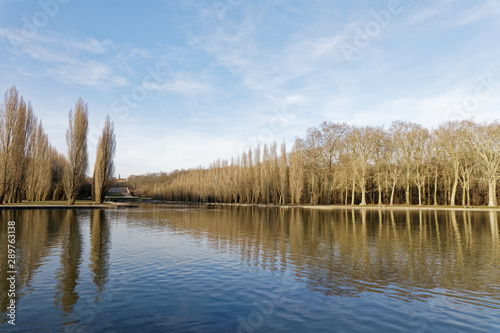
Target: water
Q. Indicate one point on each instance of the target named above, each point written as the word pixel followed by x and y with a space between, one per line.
pixel 250 269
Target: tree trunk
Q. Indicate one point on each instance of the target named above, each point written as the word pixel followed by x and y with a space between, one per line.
pixel 407 193
pixel 454 190
pixel 468 195
pixel 435 187
pixel 419 195
pixel 379 190
pixel 346 193
pixel 363 197
pixel 463 195
pixel 491 193
pixel 495 192
pixel 407 186
pixel 328 198
pixel 353 191
pixel 392 194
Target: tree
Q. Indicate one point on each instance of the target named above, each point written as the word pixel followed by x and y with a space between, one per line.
pixel 283 175
pixel 57 168
pixel 421 156
pixel 448 136
pixel 485 138
pixel 366 159
pixel 256 186
pixel 104 165
pixel 332 140
pixel 393 165
pixel 362 147
pixel 405 137
pixel 38 178
pixel 76 140
pixel 7 129
pixel 468 161
pixel 311 152
pixel 16 126
pixel 380 153
pixel 296 173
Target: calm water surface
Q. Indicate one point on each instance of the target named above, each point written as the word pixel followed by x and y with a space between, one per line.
pixel 249 269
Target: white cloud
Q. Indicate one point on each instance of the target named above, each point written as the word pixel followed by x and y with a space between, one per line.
pixel 224 82
pixel 181 82
pixel 18 39
pixel 486 9
pixel 87 73
pixel 139 52
pixel 85 61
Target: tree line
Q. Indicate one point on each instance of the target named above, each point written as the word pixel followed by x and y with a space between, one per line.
pixel 32 169
pixel 337 163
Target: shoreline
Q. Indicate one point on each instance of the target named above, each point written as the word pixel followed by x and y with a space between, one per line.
pixel 116 205
pixel 66 206
pixel 367 207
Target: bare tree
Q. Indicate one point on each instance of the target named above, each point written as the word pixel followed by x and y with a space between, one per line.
pixel 296 173
pixel 57 166
pixel 421 156
pixel 283 175
pixel 76 140
pixel 407 156
pixel 256 186
pixel 332 140
pixel 264 176
pixel 405 137
pixel 16 126
pixel 8 115
pixel 448 136
pixel 273 172
pixel 395 158
pixel 38 173
pixel 311 152
pixel 361 147
pixel 485 138
pixel 380 153
pixel 468 161
pixel 104 168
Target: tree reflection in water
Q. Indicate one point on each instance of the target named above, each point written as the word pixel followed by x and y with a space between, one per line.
pixel 412 254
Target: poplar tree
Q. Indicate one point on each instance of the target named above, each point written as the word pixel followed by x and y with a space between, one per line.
pixel 76 140
pixel 16 126
pixel 104 165
pixel 296 173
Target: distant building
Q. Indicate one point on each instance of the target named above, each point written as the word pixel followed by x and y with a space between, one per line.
pixel 120 180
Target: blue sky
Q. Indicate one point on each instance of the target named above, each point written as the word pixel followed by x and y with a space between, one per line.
pixel 187 82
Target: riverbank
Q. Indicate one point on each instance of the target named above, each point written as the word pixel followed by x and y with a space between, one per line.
pixel 79 204
pixel 372 207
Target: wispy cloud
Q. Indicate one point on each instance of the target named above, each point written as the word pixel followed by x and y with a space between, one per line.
pixel 181 82
pixel 87 73
pixel 139 52
pixel 59 41
pixel 266 71
pixel 489 8
pixel 85 61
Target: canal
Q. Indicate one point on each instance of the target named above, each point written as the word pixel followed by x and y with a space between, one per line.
pixel 164 268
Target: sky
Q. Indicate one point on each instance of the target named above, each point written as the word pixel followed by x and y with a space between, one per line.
pixel 186 82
